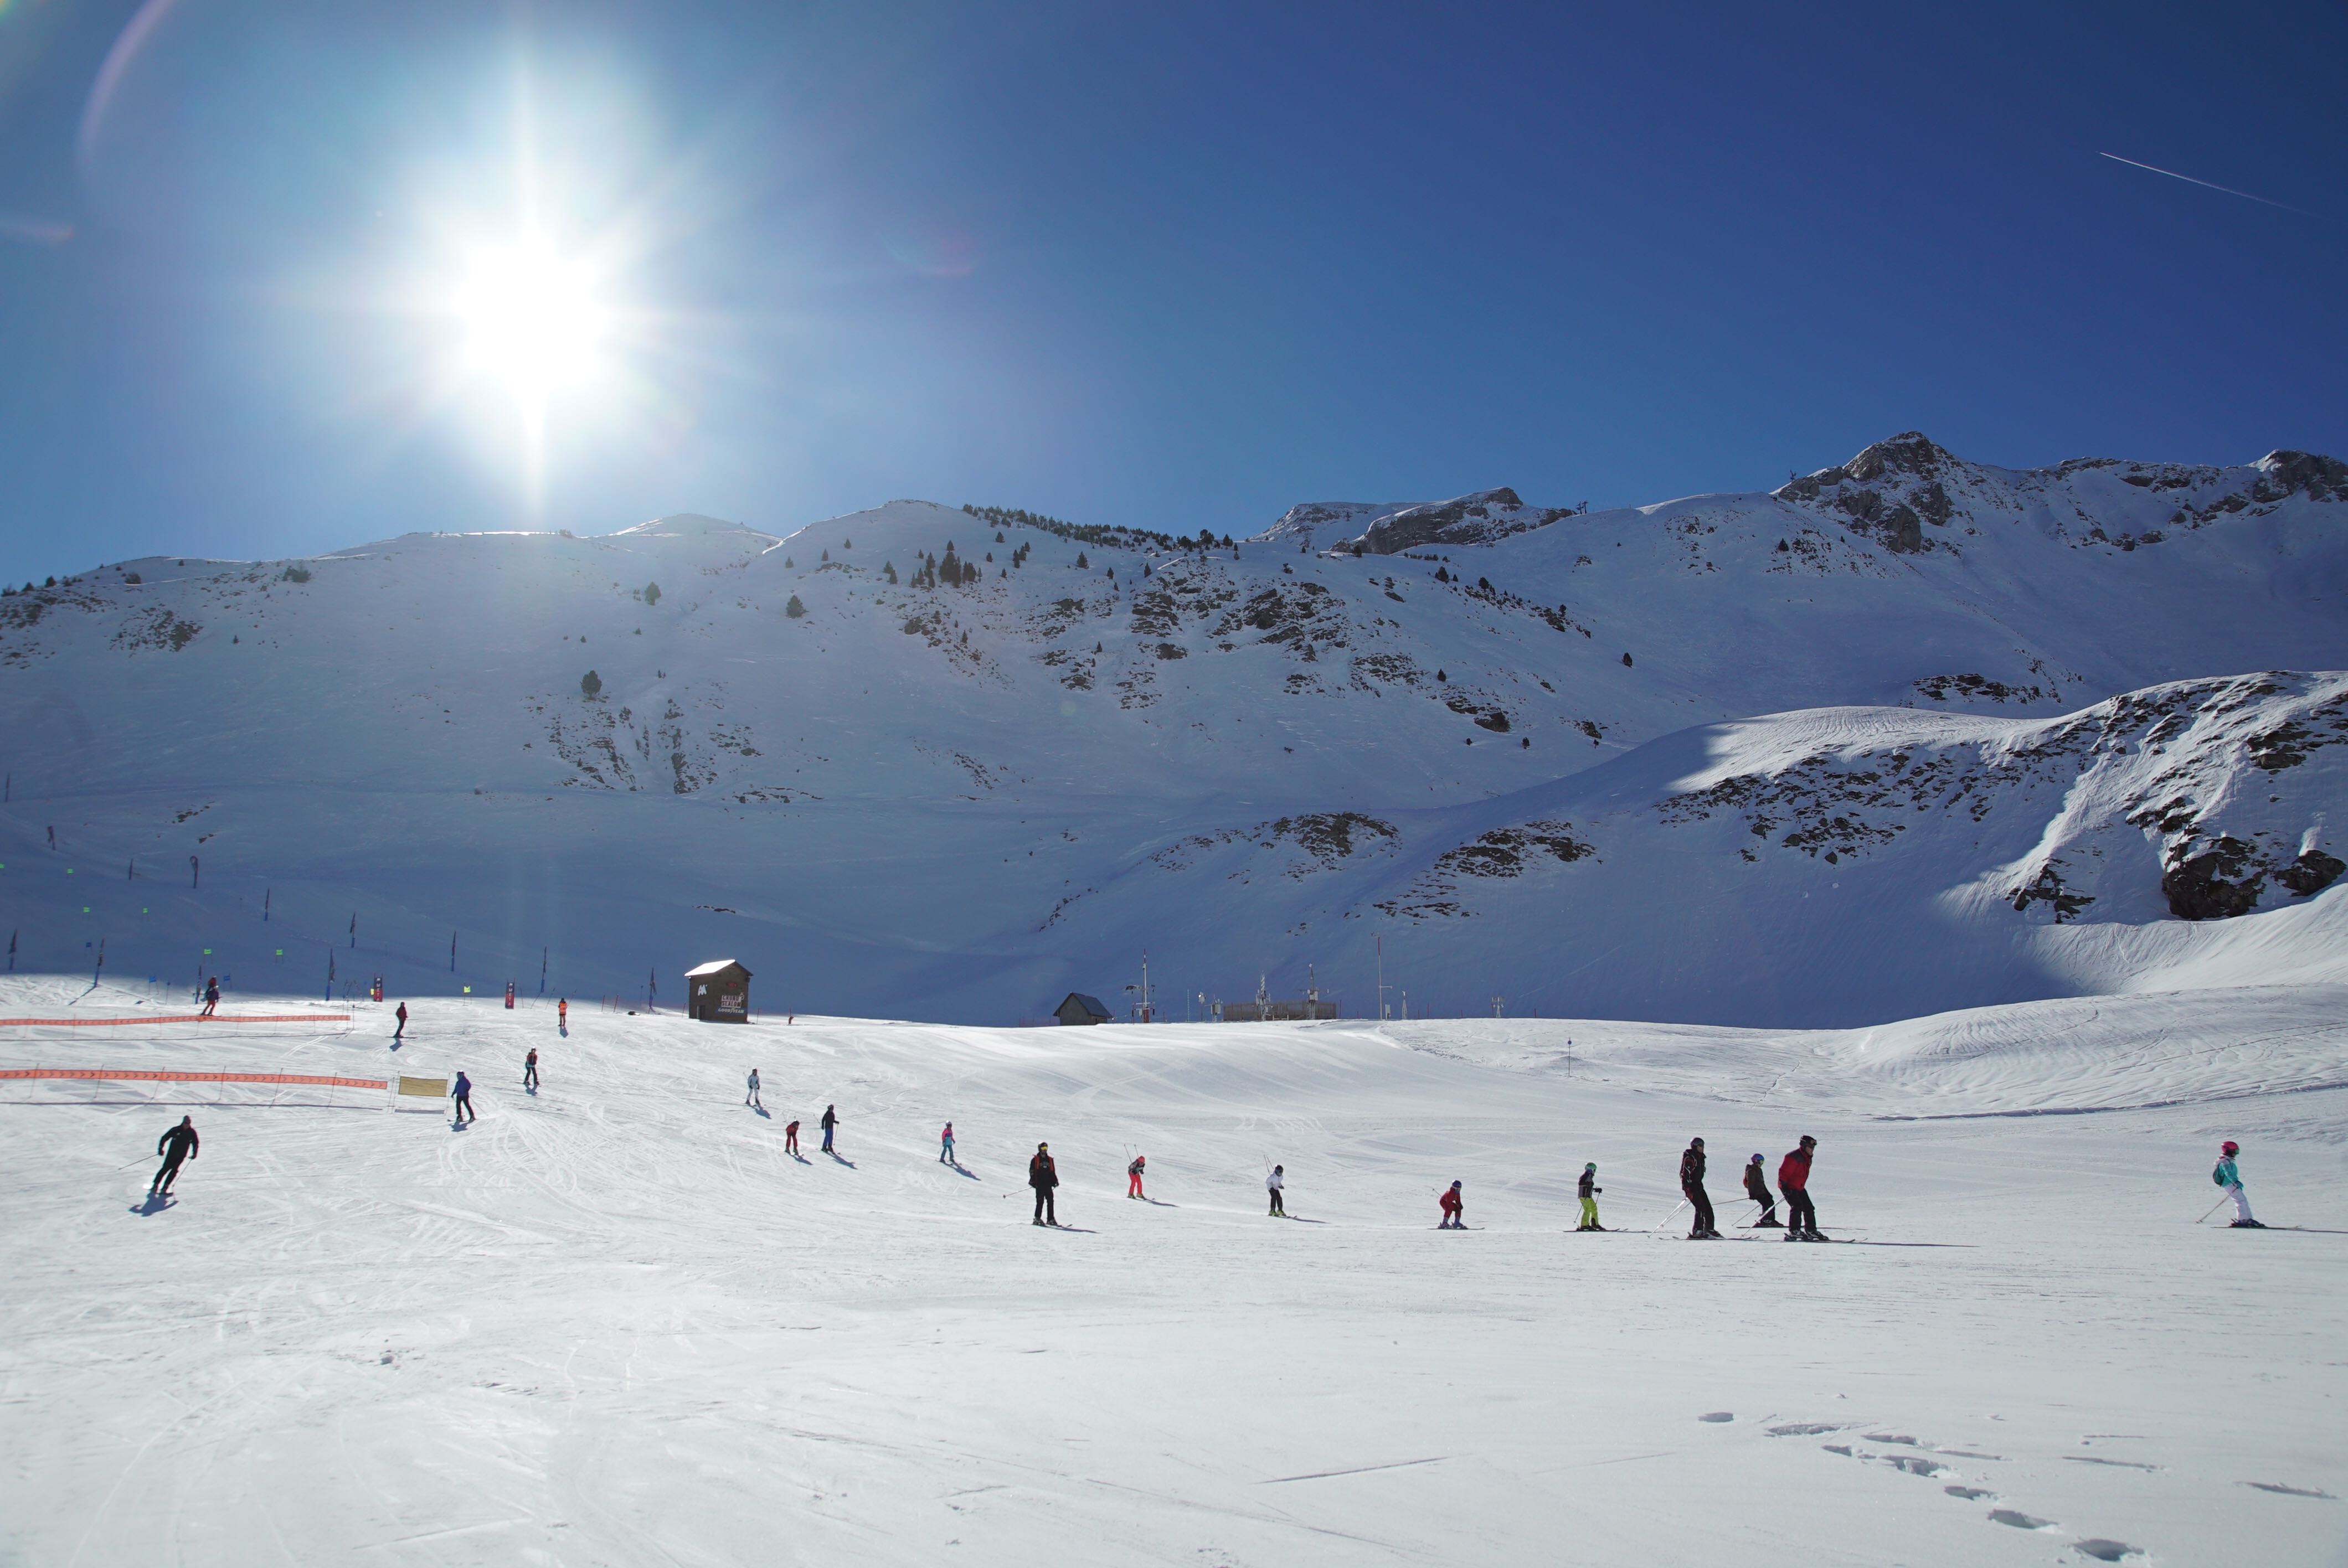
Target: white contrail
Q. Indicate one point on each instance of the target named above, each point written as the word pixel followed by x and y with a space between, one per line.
pixel 2188 179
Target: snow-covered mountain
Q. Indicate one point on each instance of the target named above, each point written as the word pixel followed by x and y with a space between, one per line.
pixel 1910 733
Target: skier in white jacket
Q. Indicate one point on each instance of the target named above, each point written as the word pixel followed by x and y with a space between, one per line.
pixel 1272 1183
pixel 2228 1177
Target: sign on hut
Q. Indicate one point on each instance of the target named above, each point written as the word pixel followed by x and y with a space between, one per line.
pixel 717 992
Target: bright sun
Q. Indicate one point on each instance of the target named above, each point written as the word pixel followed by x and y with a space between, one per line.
pixel 532 319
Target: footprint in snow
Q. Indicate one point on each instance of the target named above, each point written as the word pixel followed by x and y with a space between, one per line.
pixel 1718 1415
pixel 2104 1550
pixel 1804 1429
pixel 1968 1493
pixel 2019 1520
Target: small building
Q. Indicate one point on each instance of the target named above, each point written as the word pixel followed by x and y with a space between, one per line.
pixel 1081 1008
pixel 717 992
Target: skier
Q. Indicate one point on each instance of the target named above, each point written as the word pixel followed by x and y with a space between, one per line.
pixel 1273 1185
pixel 464 1093
pixel 402 1016
pixel 945 1146
pixel 1452 1204
pixel 1133 1178
pixel 1759 1190
pixel 750 1094
pixel 177 1144
pixel 211 996
pixel 831 1121
pixel 1590 1189
pixel 1794 1180
pixel 1692 1183
pixel 562 1015
pixel 2228 1177
pixel 1043 1176
pixel 791 1138
pixel 529 1069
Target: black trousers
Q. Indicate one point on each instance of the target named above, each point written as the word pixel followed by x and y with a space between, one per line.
pixel 1044 1210
pixel 1768 1208
pixel 1695 1195
pixel 1799 1213
pixel 530 1076
pixel 167 1176
pixel 464 1108
pixel 1277 1206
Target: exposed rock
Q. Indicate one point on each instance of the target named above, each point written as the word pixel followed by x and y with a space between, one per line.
pixel 2312 872
pixel 2198 888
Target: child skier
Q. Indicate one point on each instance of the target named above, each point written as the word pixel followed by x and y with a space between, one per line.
pixel 1590 1189
pixel 831 1121
pixel 2228 1177
pixel 1273 1185
pixel 791 1138
pixel 211 996
pixel 1451 1203
pixel 1757 1189
pixel 464 1095
pixel 750 1098
pixel 1692 1183
pixel 529 1069
pixel 562 1015
pixel 945 1146
pixel 1043 1176
pixel 1794 1180
pixel 1133 1178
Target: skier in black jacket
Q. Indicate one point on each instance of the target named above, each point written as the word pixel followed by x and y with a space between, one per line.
pixel 1043 1176
pixel 1757 1188
pixel 177 1144
pixel 1589 1190
pixel 1692 1183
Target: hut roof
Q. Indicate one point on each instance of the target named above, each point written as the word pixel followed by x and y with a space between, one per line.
pixel 714 967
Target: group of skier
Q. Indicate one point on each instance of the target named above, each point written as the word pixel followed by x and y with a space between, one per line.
pixel 1801 1221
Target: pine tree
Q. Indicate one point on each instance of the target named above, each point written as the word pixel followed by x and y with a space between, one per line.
pixel 1439 675
pixel 590 684
pixel 652 591
pixel 1626 661
pixel 827 555
pixel 788 562
pixel 888 570
pixel 1082 564
pixel 795 608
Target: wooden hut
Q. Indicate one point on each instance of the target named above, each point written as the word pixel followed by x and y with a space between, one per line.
pixel 1081 1008
pixel 717 992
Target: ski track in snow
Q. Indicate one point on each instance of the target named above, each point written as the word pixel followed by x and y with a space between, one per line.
pixel 612 1323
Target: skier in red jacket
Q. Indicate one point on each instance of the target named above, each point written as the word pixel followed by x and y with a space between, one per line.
pixel 1794 1181
pixel 1133 1178
pixel 1452 1204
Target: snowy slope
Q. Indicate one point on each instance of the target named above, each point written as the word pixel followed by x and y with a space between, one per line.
pixel 959 799
pixel 613 1322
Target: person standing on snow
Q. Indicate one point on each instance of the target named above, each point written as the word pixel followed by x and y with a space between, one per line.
pixel 750 1091
pixel 831 1121
pixel 211 996
pixel 177 1144
pixel 791 1138
pixel 1452 1204
pixel 562 1015
pixel 1273 1185
pixel 1794 1180
pixel 1692 1183
pixel 1043 1176
pixel 2228 1177
pixel 1133 1178
pixel 1590 1189
pixel 945 1146
pixel 402 1016
pixel 1759 1190
pixel 529 1069
pixel 464 1093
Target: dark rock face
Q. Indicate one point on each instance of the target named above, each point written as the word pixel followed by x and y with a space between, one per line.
pixel 2198 888
pixel 2312 872
pixel 2289 473
pixel 1477 518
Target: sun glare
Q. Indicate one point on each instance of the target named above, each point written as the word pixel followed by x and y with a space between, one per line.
pixel 531 320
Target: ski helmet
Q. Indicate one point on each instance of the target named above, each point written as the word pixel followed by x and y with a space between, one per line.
pixel 1756 1159
pixel 1808 1141
pixel 2230 1147
pixel 1696 1143
pixel 1592 1166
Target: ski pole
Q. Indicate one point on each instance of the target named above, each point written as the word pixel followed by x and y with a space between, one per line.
pixel 2215 1207
pixel 1667 1218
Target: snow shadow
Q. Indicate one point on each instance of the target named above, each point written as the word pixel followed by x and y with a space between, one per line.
pixel 152 1203
pixel 841 1159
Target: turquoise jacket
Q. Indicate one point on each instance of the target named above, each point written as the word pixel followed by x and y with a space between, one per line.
pixel 2225 1176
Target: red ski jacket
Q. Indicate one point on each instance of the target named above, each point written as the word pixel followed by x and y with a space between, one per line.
pixel 1450 1202
pixel 1794 1172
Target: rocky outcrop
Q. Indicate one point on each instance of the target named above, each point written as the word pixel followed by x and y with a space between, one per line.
pixel 1470 519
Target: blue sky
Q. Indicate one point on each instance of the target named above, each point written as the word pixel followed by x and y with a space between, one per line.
pixel 1171 266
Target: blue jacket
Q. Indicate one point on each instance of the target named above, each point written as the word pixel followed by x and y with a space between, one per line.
pixel 464 1086
pixel 2225 1176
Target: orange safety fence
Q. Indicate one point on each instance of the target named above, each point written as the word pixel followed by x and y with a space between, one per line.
pixel 134 1073
pixel 182 1017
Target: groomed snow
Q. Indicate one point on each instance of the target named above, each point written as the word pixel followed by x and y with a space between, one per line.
pixel 614 1323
